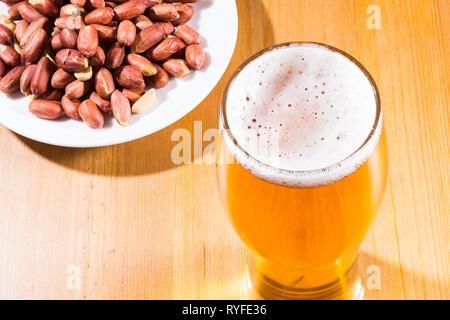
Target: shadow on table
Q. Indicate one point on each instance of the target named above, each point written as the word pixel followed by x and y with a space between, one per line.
pixel 153 153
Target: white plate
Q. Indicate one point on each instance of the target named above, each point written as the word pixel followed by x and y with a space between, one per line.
pixel 215 20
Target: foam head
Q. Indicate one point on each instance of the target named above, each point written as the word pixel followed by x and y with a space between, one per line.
pixel 301 107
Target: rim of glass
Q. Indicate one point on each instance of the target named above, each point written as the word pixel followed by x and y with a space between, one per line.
pixel 223 103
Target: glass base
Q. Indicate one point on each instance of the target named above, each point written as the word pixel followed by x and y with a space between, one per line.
pixel 274 282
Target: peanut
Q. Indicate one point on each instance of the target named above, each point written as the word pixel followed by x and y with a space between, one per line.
pixel 145 103
pixel 29 13
pixel 177 67
pixel 131 95
pixel 32 27
pixel 142 22
pixel 77 89
pixel 61 79
pixel 70 10
pixel 2 69
pixel 130 9
pixel 34 46
pixel 101 16
pixel 160 79
pixel 103 104
pixel 163 12
pixel 45 7
pixel 130 77
pixel 84 75
pixel 195 56
pixel 98 59
pixel 165 49
pixel 186 13
pixel 106 34
pixel 126 33
pixel 21 27
pixel 11 81
pixel 70 107
pixel 6 35
pixel 53 94
pixel 148 38
pixel 46 109
pixel 142 64
pixel 89 39
pixel 13 11
pixel 41 77
pixel 90 114
pixel 70 22
pixel 188 35
pixel 71 60
pixel 87 42
pixel 25 79
pixel 9 56
pixel 115 56
pixel 104 83
pixel 68 38
pixel 121 108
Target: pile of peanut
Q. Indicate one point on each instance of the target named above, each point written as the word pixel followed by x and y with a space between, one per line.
pixel 88 58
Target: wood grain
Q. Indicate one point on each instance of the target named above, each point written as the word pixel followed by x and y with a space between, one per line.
pixel 140 227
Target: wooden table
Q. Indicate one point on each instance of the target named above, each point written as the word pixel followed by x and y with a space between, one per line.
pixel 124 222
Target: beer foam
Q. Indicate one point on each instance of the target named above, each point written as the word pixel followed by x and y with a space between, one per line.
pixel 300 112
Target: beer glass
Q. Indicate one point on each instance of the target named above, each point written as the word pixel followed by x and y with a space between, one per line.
pixel 302 225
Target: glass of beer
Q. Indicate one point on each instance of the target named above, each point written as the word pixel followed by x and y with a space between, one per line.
pixel 302 168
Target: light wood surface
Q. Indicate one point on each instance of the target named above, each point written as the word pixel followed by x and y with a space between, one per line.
pixel 138 226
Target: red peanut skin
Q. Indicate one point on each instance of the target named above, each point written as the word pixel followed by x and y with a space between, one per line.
pixel 32 27
pixel 11 81
pixel 87 42
pixel 25 79
pixel 70 107
pixel 64 59
pixel 61 79
pixel 186 13
pixel 29 13
pixel 115 56
pixel 68 38
pixel 41 78
pixel 126 33
pixel 6 35
pixel 148 38
pixel 9 56
pixel 53 94
pixel 98 59
pixel 129 77
pixel 121 108
pixel 104 83
pixel 160 79
pixel 34 47
pixel 47 8
pixel 90 114
pixel 188 35
pixel 100 16
pixel 3 69
pixel 103 104
pixel 130 9
pixel 21 27
pixel 195 56
pixel 77 89
pixel 46 109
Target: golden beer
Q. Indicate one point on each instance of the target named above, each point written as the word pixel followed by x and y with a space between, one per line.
pixel 304 224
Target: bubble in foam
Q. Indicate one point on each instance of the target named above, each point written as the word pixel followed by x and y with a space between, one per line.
pixel 321 103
